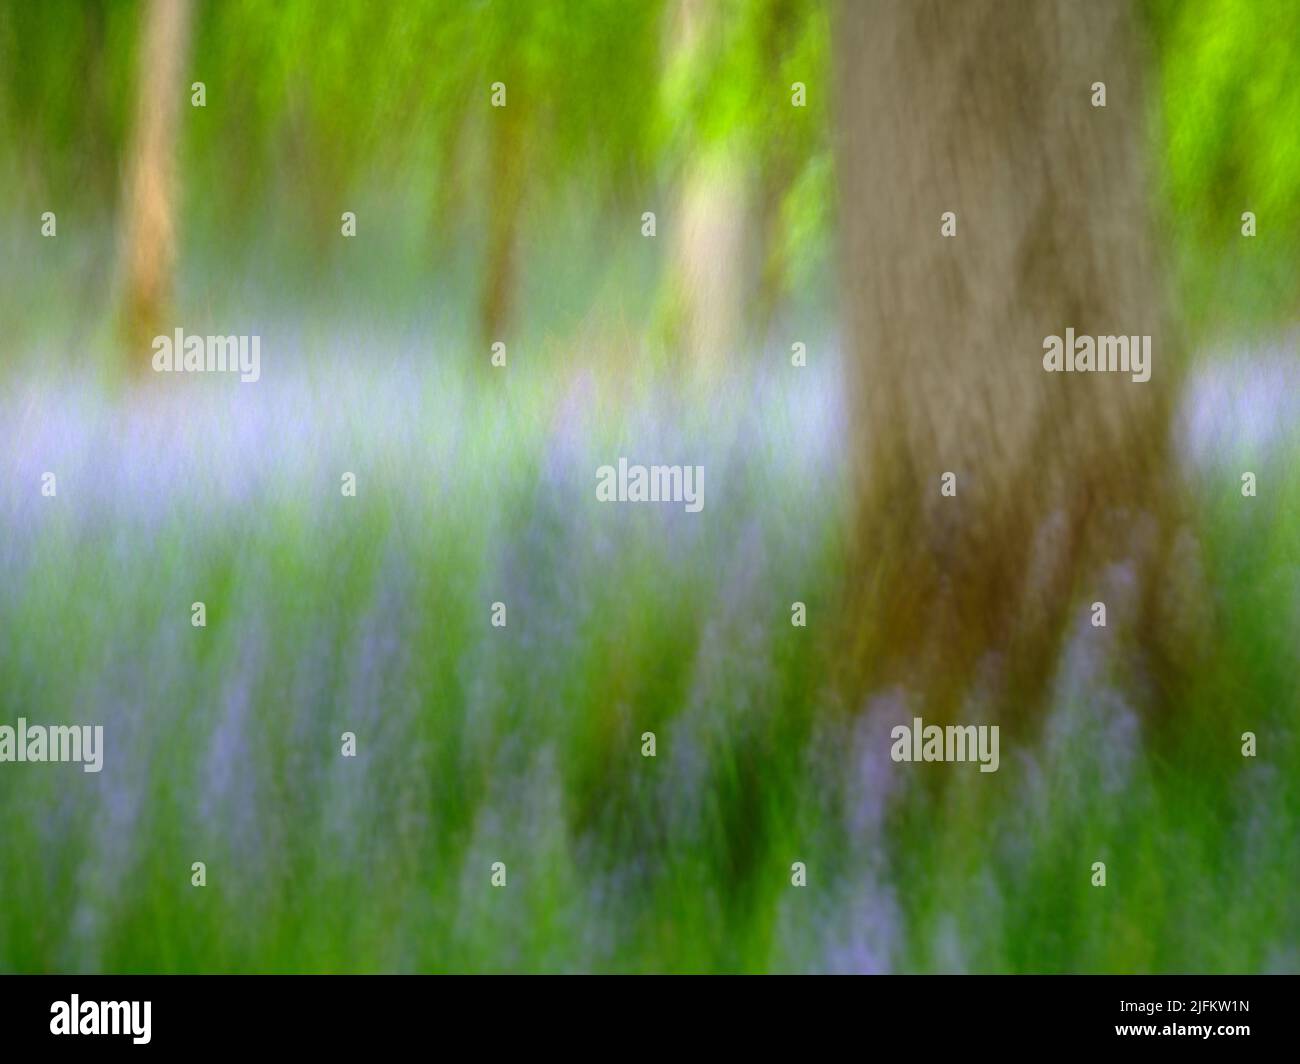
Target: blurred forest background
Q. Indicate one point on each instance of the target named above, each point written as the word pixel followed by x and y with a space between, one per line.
pixel 312 109
pixel 524 225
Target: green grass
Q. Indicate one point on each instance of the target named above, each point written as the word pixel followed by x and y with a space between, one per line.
pixel 523 745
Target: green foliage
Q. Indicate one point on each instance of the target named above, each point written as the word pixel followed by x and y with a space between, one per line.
pixel 1229 101
pixel 523 744
pixel 310 104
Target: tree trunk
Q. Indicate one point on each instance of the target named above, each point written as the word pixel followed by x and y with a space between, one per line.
pixel 984 108
pixel 706 225
pixel 507 163
pixel 781 159
pixel 149 230
pixel 708 248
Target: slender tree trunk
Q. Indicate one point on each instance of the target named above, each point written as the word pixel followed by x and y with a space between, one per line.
pixel 709 249
pixel 706 225
pixel 507 168
pixel 983 108
pixel 149 231
pixel 780 167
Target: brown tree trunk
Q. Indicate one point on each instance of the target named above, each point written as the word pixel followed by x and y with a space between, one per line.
pixel 507 164
pixel 149 229
pixel 983 108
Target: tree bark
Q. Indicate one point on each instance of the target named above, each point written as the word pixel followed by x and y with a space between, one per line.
pixel 149 230
pixel 984 108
